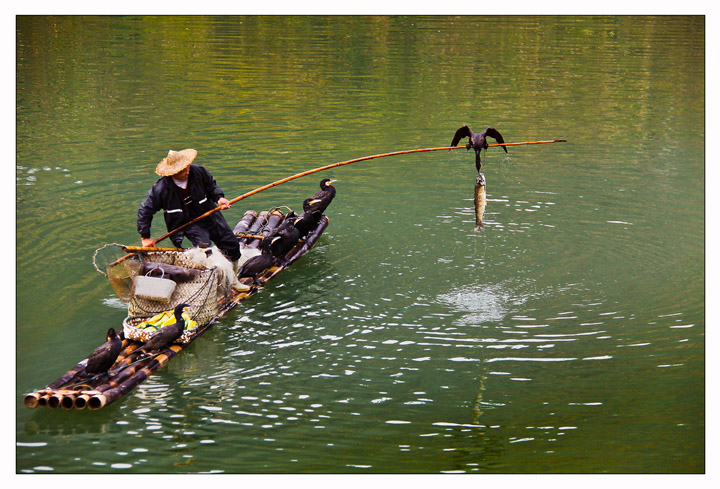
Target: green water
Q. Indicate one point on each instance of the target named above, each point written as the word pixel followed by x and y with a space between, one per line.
pixel 568 337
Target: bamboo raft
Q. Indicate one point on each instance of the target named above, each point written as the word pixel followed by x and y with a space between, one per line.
pixel 78 389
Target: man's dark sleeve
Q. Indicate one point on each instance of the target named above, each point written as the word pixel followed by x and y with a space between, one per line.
pixel 211 187
pixel 146 211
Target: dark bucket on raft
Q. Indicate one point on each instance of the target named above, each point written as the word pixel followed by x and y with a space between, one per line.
pixel 210 294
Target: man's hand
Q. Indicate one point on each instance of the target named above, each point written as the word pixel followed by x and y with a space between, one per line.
pixel 148 242
pixel 223 203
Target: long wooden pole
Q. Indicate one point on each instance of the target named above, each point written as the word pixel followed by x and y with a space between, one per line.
pixel 322 168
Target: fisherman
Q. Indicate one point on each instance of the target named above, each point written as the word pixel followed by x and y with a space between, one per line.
pixel 185 192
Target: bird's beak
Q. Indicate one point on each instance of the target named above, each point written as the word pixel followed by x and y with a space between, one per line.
pixel 315 201
pixel 332 181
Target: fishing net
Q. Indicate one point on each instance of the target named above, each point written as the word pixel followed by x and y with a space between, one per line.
pixel 113 262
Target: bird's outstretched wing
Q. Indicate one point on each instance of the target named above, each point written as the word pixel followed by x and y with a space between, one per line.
pixel 463 132
pixel 493 133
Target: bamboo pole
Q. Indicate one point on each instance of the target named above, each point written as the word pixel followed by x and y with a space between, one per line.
pixel 521 144
pixel 141 249
pixel 319 169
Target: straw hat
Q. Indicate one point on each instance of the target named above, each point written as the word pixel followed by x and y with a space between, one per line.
pixel 175 161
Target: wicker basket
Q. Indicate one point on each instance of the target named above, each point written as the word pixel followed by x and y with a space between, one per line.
pixel 131 332
pixel 201 293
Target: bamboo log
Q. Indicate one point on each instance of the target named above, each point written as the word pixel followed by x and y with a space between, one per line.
pixel 108 396
pixel 124 374
pixel 54 400
pixel 273 222
pixel 245 222
pixel 255 229
pixel 124 354
pixel 43 401
pixel 32 400
pixel 67 402
pixel 81 401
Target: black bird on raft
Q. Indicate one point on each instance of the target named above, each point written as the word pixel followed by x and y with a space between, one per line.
pixel 305 222
pixel 324 196
pixel 286 232
pixel 477 141
pixel 288 236
pixel 258 264
pixel 167 334
pixel 104 355
pixel 310 206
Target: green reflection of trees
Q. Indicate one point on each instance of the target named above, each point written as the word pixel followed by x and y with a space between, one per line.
pixel 421 70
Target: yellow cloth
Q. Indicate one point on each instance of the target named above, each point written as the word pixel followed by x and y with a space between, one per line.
pixel 166 318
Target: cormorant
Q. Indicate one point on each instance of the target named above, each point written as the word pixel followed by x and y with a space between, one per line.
pixel 104 355
pixel 306 221
pixel 477 141
pixel 287 233
pixel 260 263
pixel 288 236
pixel 310 206
pixel 325 195
pixel 167 334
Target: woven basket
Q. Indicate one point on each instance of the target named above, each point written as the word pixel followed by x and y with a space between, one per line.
pixel 131 332
pixel 201 293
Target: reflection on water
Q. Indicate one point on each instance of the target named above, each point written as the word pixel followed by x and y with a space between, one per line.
pixel 479 304
pixel 566 337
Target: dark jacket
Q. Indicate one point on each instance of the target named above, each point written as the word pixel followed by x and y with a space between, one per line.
pixel 164 195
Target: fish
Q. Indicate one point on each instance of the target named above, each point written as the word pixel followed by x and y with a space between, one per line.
pixel 480 202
